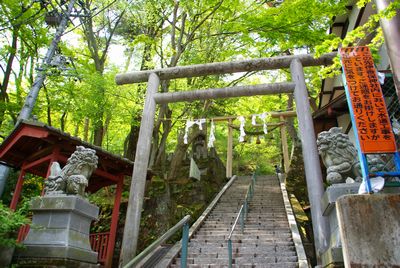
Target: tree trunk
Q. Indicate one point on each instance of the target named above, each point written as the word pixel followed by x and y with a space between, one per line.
pixel 132 137
pixel 131 140
pixel 86 130
pixel 48 105
pixel 161 155
pixel 76 131
pixel 180 151
pixel 62 121
pixel 7 73
pixel 98 132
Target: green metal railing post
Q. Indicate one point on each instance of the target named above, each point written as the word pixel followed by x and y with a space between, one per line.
pixel 185 240
pixel 184 223
pixel 245 209
pixel 242 221
pixel 242 216
pixel 230 252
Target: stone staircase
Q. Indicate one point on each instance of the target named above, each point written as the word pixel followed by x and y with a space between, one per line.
pixel 267 237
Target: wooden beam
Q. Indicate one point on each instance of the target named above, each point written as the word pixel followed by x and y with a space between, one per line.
pixel 391 33
pixel 260 125
pixel 273 115
pixel 284 114
pixel 224 68
pixel 39 154
pixel 271 126
pixel 227 92
pixel 29 165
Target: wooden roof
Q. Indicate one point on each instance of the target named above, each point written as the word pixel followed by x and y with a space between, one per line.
pixel 33 145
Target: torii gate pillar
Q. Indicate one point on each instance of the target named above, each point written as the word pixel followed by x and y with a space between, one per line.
pixel 134 211
pixel 312 166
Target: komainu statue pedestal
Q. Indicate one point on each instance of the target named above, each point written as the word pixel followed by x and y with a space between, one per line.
pixel 370 229
pixel 59 234
pixel 333 257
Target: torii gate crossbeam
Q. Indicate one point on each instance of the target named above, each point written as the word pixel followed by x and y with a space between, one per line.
pixel 310 154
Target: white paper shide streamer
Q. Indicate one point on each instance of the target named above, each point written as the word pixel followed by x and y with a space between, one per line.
pixel 253 119
pixel 189 124
pixel 211 138
pixel 242 133
pixel 263 117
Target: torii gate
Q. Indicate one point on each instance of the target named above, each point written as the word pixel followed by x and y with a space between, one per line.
pixel 297 86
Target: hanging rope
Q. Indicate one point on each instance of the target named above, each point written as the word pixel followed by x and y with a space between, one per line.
pixel 211 140
pixel 263 117
pixel 223 118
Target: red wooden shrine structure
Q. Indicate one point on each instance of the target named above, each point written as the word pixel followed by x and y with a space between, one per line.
pixel 33 146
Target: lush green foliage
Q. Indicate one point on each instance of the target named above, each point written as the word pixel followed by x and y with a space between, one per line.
pixel 10 222
pixel 354 37
pixel 114 36
pixel 82 99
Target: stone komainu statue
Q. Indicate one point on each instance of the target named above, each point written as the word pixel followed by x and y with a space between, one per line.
pixel 338 155
pixel 73 178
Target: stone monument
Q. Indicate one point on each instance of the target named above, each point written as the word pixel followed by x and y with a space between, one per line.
pixel 59 235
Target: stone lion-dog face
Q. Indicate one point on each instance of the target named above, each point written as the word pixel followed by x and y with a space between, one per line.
pixel 338 155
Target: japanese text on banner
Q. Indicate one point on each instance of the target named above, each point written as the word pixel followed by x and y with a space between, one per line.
pixel 370 114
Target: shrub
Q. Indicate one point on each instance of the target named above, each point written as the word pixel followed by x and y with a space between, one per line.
pixel 10 222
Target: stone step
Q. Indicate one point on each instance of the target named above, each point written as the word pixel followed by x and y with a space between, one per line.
pixel 254 236
pixel 252 220
pixel 266 240
pixel 244 265
pixel 243 249
pixel 224 254
pixel 247 230
pixel 243 240
pixel 253 260
pixel 224 217
pixel 224 244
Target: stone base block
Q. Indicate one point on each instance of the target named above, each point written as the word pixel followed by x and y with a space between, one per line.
pixel 56 252
pixel 370 229
pixel 333 192
pixel 332 258
pixel 60 230
pixel 54 263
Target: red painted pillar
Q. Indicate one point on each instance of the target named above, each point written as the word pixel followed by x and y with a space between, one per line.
pixel 18 189
pixel 114 223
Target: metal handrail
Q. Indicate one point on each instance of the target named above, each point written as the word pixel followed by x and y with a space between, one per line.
pixel 235 223
pixel 242 215
pixel 185 238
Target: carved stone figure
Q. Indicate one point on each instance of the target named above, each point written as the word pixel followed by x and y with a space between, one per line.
pixel 338 155
pixel 55 183
pixel 73 178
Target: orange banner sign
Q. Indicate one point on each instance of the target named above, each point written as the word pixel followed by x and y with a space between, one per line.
pixel 369 110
